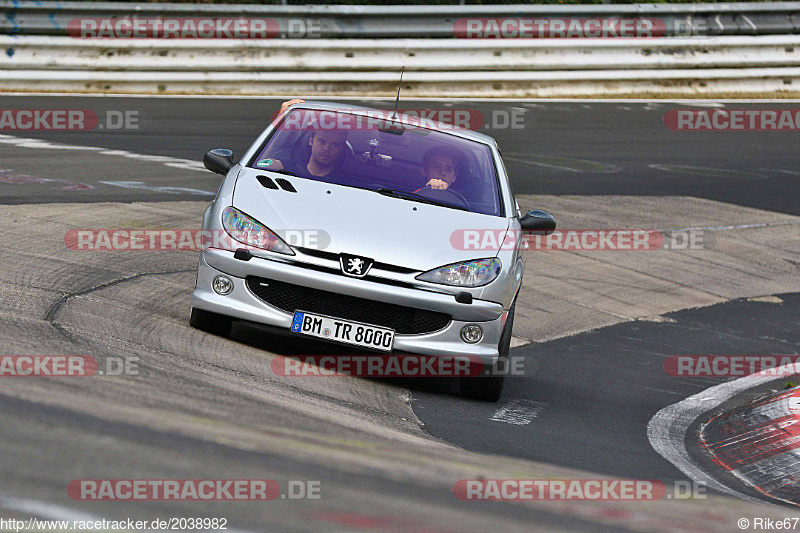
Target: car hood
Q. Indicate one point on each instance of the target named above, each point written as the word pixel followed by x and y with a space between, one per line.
pixel 364 223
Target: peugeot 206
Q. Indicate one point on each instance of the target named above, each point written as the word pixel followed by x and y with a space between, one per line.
pixel 372 229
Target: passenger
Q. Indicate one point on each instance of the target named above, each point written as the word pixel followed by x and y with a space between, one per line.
pixel 326 151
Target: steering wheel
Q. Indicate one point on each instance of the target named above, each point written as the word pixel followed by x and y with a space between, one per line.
pixel 460 200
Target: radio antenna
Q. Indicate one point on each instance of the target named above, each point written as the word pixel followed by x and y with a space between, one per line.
pixel 397 100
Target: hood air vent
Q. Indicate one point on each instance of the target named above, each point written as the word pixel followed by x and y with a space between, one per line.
pixel 267 182
pixel 286 185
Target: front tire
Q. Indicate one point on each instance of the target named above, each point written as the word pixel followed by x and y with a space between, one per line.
pixel 209 322
pixel 489 388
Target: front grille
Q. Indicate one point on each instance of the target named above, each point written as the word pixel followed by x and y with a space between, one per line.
pixel 368 277
pixel 290 298
pixel 335 257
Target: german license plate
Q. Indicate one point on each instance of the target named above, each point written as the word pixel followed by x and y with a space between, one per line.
pixel 346 331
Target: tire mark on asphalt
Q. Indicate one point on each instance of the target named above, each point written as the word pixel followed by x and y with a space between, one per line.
pixel 51 313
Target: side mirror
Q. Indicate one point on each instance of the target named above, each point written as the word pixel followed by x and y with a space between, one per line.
pixel 538 220
pixel 219 160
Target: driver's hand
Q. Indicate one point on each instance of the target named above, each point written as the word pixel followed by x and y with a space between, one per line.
pixel 289 103
pixel 276 165
pixel 276 116
pixel 437 184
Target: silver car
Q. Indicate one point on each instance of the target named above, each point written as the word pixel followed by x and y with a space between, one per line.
pixel 343 218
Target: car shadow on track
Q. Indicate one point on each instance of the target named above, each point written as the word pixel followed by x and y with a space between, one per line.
pixel 293 346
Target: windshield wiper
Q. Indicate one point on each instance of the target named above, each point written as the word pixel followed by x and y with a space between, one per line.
pixel 395 193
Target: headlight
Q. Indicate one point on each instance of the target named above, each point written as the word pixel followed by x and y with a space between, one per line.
pixel 467 274
pixel 251 232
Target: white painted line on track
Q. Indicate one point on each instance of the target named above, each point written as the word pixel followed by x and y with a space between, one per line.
pixel 692 170
pixel 168 190
pixel 516 342
pixel 518 412
pixel 45 510
pixel 781 171
pixel 737 226
pixel 597 167
pixel 667 430
pixel 167 161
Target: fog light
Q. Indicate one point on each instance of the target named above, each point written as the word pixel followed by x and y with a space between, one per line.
pixel 471 333
pixel 222 285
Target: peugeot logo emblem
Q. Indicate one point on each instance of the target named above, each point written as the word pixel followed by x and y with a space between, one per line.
pixel 355 266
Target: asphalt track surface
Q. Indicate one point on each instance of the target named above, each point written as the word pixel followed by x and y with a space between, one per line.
pixel 593 393
pixel 585 148
pixel 588 397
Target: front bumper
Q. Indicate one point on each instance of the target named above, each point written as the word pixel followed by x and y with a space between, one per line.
pixel 241 303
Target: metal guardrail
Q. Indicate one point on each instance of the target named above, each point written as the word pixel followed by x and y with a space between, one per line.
pixel 370 22
pixel 530 84
pixel 752 47
pixel 389 55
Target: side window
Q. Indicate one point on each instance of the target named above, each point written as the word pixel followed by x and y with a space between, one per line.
pixel 510 185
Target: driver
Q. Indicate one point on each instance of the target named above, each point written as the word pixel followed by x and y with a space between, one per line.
pixel 440 167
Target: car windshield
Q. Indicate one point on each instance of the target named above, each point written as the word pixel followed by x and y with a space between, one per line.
pixel 406 161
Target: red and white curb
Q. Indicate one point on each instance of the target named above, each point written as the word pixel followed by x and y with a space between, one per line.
pixel 667 430
pixel 759 443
